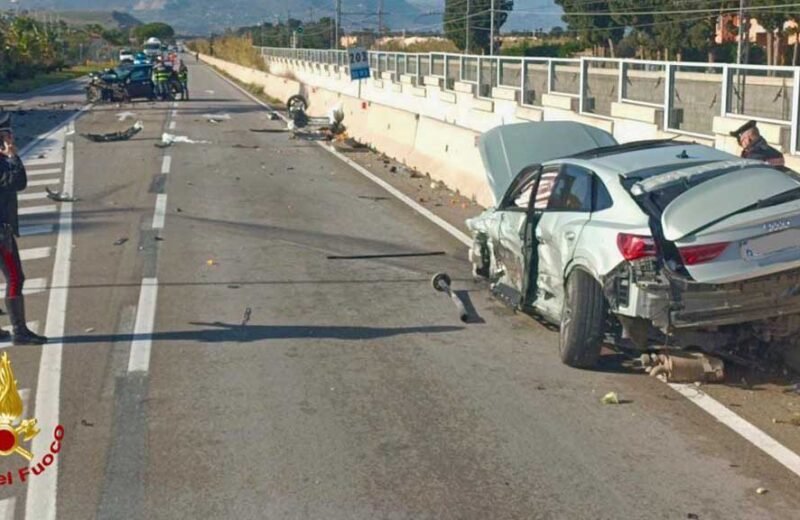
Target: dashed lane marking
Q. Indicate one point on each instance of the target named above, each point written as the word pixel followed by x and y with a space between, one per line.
pixel 160 212
pixel 43 182
pixel 31 286
pixel 41 162
pixel 166 164
pixel 38 210
pixel 45 171
pixel 172 125
pixel 39 229
pixel 139 360
pixel 35 253
pixel 32 196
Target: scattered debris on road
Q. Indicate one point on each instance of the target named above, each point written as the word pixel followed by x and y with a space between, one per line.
pixel 762 491
pixel 116 136
pixel 441 282
pixel 246 317
pixel 59 196
pixel 373 197
pixel 89 329
pixel 120 241
pixel 247 146
pixel 794 420
pixel 170 139
pixel 610 398
pixel 211 262
pixel 383 255
pixel 84 422
pixel 684 367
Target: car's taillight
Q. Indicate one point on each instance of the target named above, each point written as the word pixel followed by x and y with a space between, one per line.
pixel 635 247
pixel 693 255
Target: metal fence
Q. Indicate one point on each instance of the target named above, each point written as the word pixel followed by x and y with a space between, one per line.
pixel 688 95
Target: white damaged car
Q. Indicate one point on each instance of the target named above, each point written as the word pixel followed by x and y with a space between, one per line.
pixel 662 243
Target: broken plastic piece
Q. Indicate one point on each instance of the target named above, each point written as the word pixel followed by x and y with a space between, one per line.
pixel 610 398
pixel 116 136
pixel 59 196
pixel 120 241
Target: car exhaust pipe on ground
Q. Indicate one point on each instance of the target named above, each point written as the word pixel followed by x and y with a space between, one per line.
pixel 441 282
pixel 684 367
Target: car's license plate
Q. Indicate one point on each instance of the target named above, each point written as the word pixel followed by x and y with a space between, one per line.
pixel 757 248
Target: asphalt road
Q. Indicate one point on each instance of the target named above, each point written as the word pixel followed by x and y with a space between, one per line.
pixel 279 381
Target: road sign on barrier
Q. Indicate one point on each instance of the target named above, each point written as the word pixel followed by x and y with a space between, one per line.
pixel 359 63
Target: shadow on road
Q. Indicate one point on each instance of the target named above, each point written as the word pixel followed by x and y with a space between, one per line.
pixel 218 332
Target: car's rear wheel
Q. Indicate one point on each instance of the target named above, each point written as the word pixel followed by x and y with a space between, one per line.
pixel 582 320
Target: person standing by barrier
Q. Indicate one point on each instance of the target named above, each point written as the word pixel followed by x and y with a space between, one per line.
pixel 13 178
pixel 754 146
pixel 183 77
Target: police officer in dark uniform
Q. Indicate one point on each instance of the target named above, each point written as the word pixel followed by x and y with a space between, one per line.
pixel 12 179
pixel 754 146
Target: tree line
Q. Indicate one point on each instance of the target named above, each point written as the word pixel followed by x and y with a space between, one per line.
pixel 676 29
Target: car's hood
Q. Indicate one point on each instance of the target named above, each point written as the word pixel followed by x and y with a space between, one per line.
pixel 507 149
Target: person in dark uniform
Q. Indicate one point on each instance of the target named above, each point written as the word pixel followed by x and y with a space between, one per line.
pixel 12 179
pixel 754 146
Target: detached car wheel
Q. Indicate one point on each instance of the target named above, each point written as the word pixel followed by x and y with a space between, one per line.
pixel 582 321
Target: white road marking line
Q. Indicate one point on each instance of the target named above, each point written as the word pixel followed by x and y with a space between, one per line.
pixel 48 171
pixel 174 113
pixel 717 410
pixel 161 211
pixel 32 196
pixel 166 164
pixel 7 508
pixel 41 162
pixel 41 229
pixel 38 210
pixel 43 182
pixel 35 253
pixel 726 416
pixel 25 395
pixel 172 125
pixel 40 502
pixel 31 286
pixel 139 360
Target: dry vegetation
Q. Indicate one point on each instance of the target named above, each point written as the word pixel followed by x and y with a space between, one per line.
pixel 236 49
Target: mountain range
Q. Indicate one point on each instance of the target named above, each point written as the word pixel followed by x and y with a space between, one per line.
pixel 206 16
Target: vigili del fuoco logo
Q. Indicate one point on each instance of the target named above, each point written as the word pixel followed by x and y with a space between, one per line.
pixel 14 432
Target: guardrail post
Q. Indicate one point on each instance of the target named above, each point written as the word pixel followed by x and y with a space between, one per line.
pixel 623 84
pixel 795 110
pixel 550 74
pixel 669 85
pixel 582 76
pixel 726 83
pixel 523 76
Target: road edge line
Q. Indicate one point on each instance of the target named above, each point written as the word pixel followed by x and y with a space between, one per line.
pixel 42 492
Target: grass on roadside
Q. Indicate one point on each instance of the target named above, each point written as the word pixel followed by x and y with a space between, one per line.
pixel 21 86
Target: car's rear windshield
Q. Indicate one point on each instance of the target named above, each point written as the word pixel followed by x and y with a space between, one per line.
pixel 660 198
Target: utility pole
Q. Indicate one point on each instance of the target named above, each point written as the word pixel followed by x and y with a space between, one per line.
pixel 380 18
pixel 742 28
pixel 491 31
pixel 338 20
pixel 466 29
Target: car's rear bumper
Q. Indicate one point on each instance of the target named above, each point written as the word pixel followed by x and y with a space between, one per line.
pixel 705 305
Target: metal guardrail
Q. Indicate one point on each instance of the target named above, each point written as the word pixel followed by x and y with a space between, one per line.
pixel 688 94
